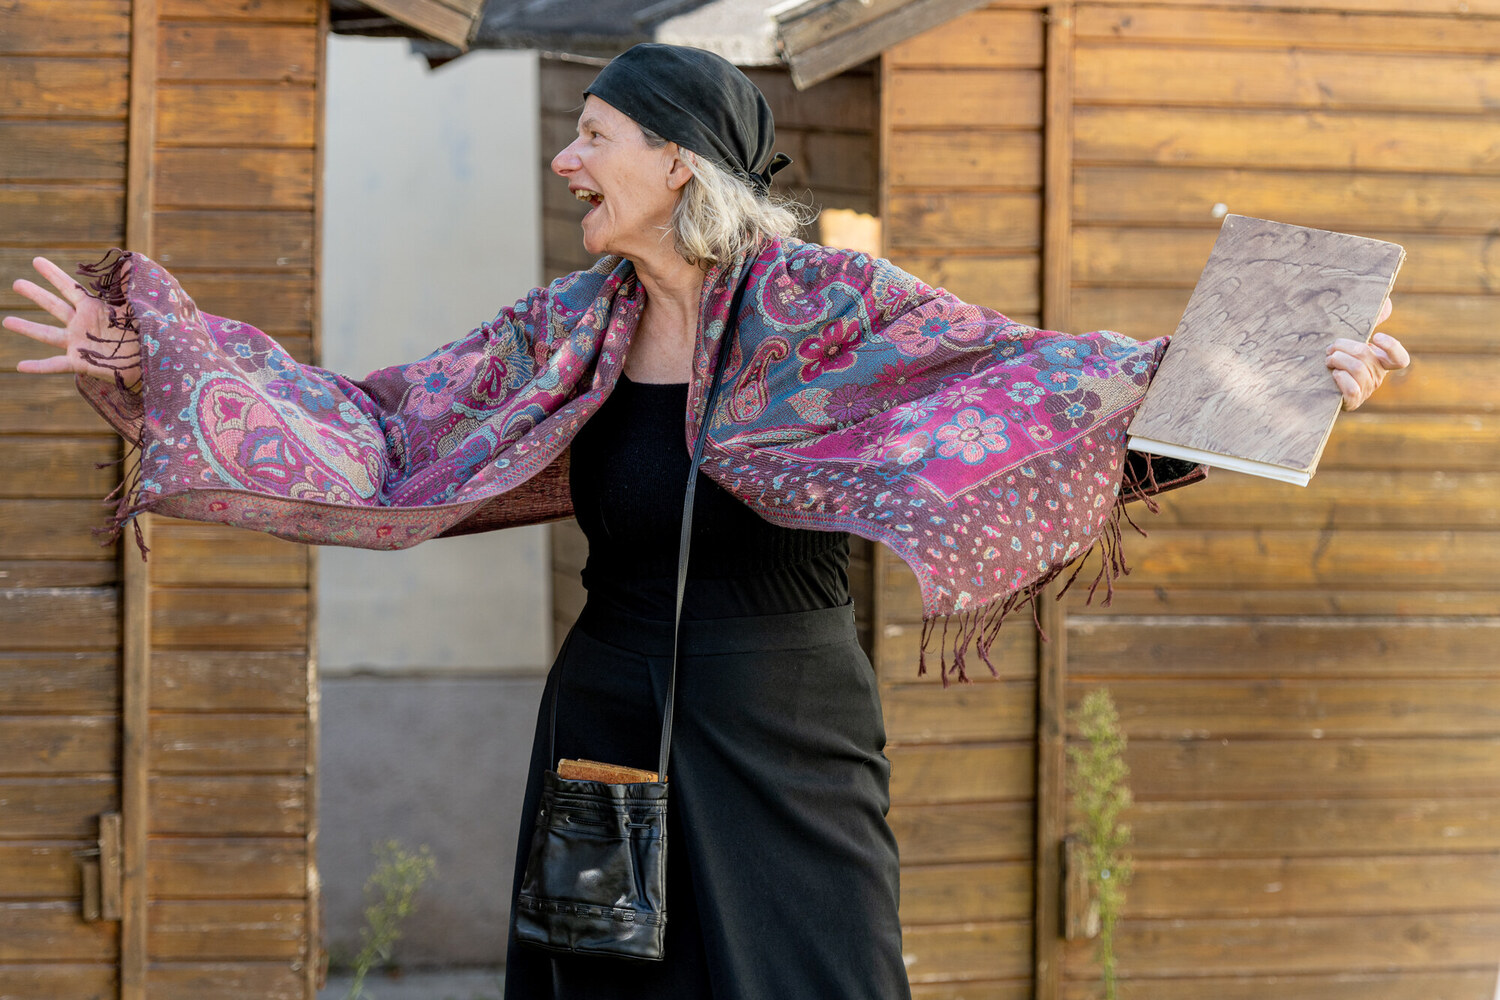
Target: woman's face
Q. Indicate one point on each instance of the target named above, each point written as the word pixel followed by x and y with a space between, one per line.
pixel 632 187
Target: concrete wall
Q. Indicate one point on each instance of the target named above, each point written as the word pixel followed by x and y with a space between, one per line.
pixel 431 659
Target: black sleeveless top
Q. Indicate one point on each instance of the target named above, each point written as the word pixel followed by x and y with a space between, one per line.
pixel 629 475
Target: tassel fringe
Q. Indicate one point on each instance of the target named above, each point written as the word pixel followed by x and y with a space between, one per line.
pixel 107 283
pixel 978 629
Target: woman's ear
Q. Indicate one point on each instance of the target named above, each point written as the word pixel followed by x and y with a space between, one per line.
pixel 678 170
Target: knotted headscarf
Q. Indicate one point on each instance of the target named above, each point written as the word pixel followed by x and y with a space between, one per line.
pixel 698 100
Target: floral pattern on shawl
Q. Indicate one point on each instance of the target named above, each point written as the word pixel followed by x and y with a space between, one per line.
pixel 985 453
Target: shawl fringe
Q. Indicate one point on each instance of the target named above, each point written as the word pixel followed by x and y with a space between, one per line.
pixel 979 628
pixel 106 282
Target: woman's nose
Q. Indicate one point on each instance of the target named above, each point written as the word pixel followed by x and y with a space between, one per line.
pixel 565 162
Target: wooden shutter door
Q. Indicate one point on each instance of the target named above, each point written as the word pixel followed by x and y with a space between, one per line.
pixel 64 71
pixel 156 721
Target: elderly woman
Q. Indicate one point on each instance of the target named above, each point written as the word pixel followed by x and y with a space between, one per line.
pixel 854 398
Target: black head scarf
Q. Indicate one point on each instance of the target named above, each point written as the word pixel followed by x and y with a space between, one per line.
pixel 698 100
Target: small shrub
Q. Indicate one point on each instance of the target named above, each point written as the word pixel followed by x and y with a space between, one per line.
pixel 1097 781
pixel 390 897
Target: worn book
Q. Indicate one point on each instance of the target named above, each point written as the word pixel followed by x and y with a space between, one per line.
pixel 610 774
pixel 1245 383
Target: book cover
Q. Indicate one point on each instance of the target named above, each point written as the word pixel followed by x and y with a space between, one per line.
pixel 1245 384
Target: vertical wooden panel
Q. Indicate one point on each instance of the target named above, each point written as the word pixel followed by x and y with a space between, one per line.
pixel 1052 655
pixel 312 964
pixel 136 590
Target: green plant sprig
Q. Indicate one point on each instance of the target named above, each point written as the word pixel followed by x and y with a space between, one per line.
pixel 390 897
pixel 1098 783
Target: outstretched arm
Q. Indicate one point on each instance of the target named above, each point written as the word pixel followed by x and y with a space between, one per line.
pixel 232 429
pixel 86 342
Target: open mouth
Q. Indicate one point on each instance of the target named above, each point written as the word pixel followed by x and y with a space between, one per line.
pixel 588 197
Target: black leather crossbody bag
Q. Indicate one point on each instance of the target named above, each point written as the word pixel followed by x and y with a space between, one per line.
pixel 596 875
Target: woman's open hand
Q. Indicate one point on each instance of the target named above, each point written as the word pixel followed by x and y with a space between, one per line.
pixel 86 343
pixel 1359 368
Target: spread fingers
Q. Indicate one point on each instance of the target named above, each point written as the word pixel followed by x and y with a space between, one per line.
pixel 37 331
pixel 61 280
pixel 58 308
pixel 48 366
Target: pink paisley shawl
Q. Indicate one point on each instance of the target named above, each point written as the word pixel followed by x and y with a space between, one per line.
pixel 986 454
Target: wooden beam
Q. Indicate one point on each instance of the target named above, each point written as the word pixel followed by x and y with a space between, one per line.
pixel 451 21
pixel 141 140
pixel 135 603
pixel 837 44
pixel 800 26
pixel 313 966
pixel 1052 655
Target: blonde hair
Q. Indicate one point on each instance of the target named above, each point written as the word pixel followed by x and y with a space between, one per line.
pixel 720 216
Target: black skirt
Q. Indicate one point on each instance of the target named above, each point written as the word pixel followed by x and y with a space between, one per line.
pixel 782 871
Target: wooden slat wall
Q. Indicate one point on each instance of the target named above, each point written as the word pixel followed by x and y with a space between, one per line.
pixel 830 131
pixel 63 71
pixel 1308 677
pixel 229 857
pixel 963 108
pixel 1305 674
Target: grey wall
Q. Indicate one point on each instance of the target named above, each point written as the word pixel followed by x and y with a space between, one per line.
pixel 439 762
pixel 431 659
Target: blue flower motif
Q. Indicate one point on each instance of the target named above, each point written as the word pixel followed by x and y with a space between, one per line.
pixel 1064 352
pixel 1027 393
pixel 1059 379
pixel 1096 364
pixel 316 397
pixel 1115 346
pixel 1010 352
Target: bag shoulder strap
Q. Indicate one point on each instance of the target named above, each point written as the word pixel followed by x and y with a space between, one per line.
pixel 684 545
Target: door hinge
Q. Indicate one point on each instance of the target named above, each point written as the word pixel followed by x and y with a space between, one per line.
pixel 101 869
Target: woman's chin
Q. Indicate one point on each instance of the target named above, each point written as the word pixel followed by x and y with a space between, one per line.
pixel 594 244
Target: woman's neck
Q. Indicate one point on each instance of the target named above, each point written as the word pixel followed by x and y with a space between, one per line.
pixel 662 348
